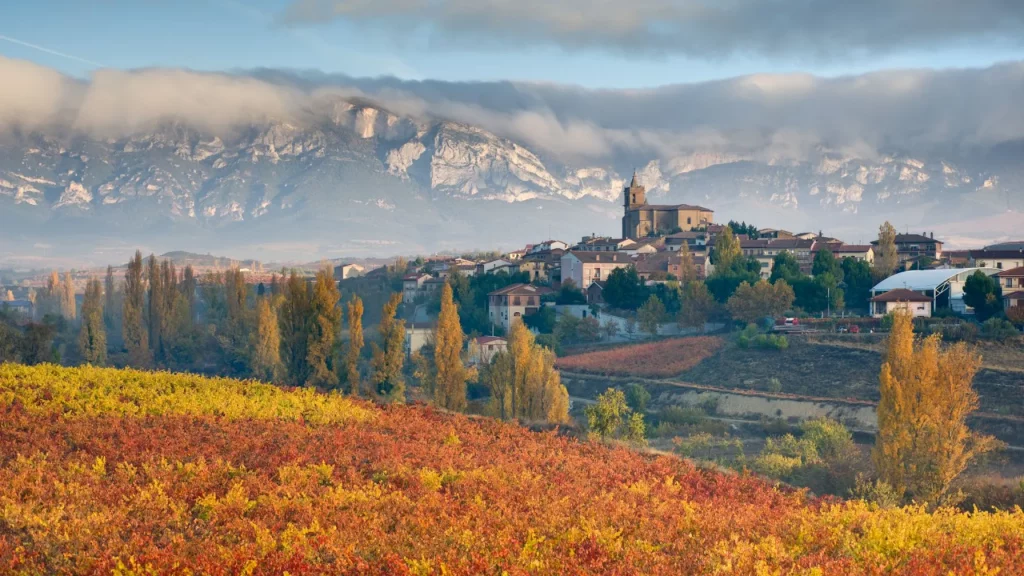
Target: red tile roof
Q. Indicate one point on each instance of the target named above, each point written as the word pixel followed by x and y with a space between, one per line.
pixel 1012 273
pixel 489 339
pixel 521 290
pixel 901 295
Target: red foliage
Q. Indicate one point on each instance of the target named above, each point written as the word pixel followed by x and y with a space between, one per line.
pixel 662 359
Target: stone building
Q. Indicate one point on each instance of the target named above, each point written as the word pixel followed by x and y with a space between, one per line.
pixel 642 219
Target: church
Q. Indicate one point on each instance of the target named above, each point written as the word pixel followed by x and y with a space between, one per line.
pixel 642 219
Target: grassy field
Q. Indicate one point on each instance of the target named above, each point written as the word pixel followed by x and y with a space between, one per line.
pixel 149 477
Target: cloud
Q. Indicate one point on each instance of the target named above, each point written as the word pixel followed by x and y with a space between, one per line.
pixel 771 117
pixel 715 28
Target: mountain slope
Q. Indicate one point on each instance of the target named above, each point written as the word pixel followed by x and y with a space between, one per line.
pixel 360 179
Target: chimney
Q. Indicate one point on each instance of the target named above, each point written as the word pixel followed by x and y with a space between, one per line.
pixel 933 235
pixel 597 258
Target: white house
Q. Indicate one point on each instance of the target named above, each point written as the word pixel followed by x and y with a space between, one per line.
pixel 944 286
pixel 483 349
pixel 515 301
pixel 919 305
pixel 999 259
pixel 346 271
pixel 493 266
pixel 547 246
pixel 412 286
pixel 583 268
pixel 418 335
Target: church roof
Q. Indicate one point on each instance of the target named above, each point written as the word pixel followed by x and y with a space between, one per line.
pixel 671 207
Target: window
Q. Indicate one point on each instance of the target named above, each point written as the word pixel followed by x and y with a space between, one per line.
pixel 597 273
pixel 999 265
pixel 516 302
pixel 689 220
pixel 529 301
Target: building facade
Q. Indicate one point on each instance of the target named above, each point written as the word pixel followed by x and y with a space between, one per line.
pixel 582 268
pixel 642 219
pixel 516 301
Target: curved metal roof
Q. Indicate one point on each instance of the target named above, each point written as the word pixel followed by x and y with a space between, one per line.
pixel 919 280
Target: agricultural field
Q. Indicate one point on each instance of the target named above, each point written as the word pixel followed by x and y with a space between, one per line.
pixel 151 477
pixel 663 359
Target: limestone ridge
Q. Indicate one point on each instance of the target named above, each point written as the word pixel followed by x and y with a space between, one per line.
pixel 362 156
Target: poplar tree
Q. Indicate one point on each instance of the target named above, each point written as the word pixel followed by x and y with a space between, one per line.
pixel 355 344
pixel 133 327
pixel 266 343
pixel 388 360
pixel 110 301
pixel 324 326
pixel 294 317
pixel 68 306
pixel 687 268
pixel 188 289
pixel 156 304
pixel 923 440
pixel 886 257
pixel 450 371
pixel 726 250
pixel 523 381
pixel 92 337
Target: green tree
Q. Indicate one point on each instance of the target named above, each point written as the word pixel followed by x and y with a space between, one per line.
pixel 451 374
pixel 156 308
pixel 751 304
pixel 785 267
pixel 651 315
pixel 611 418
pixel 886 257
pixel 695 305
pixel 983 293
pixel 624 289
pixel 133 326
pixel 388 360
pixel 111 304
pixel 92 337
pixel 324 326
pixel 188 289
pixel 355 344
pixel 294 317
pixel 825 263
pixel 266 343
pixel 726 279
pixel 857 276
pixel 637 398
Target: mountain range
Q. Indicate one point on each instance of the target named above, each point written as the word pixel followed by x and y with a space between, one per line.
pixel 362 180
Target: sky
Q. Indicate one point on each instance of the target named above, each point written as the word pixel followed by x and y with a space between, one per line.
pixel 591 43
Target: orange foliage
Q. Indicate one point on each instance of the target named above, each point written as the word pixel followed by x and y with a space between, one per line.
pixel 415 491
pixel 662 359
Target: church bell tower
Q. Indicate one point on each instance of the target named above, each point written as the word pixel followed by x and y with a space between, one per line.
pixel 635 194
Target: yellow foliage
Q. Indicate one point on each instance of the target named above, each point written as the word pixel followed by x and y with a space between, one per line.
pixel 89 391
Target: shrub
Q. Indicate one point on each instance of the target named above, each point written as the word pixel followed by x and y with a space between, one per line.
pixel 637 397
pixel 999 330
pixel 774 385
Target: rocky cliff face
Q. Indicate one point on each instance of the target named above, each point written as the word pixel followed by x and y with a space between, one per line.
pixel 361 164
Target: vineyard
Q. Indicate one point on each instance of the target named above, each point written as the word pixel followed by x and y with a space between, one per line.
pixel 663 359
pixel 103 471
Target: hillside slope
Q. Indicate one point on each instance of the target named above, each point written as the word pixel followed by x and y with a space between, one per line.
pixel 151 476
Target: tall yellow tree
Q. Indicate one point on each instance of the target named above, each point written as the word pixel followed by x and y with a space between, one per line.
pixel 355 344
pixel 523 381
pixel 451 374
pixel 687 267
pixel 726 250
pixel 923 440
pixel 68 306
pixel 265 361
